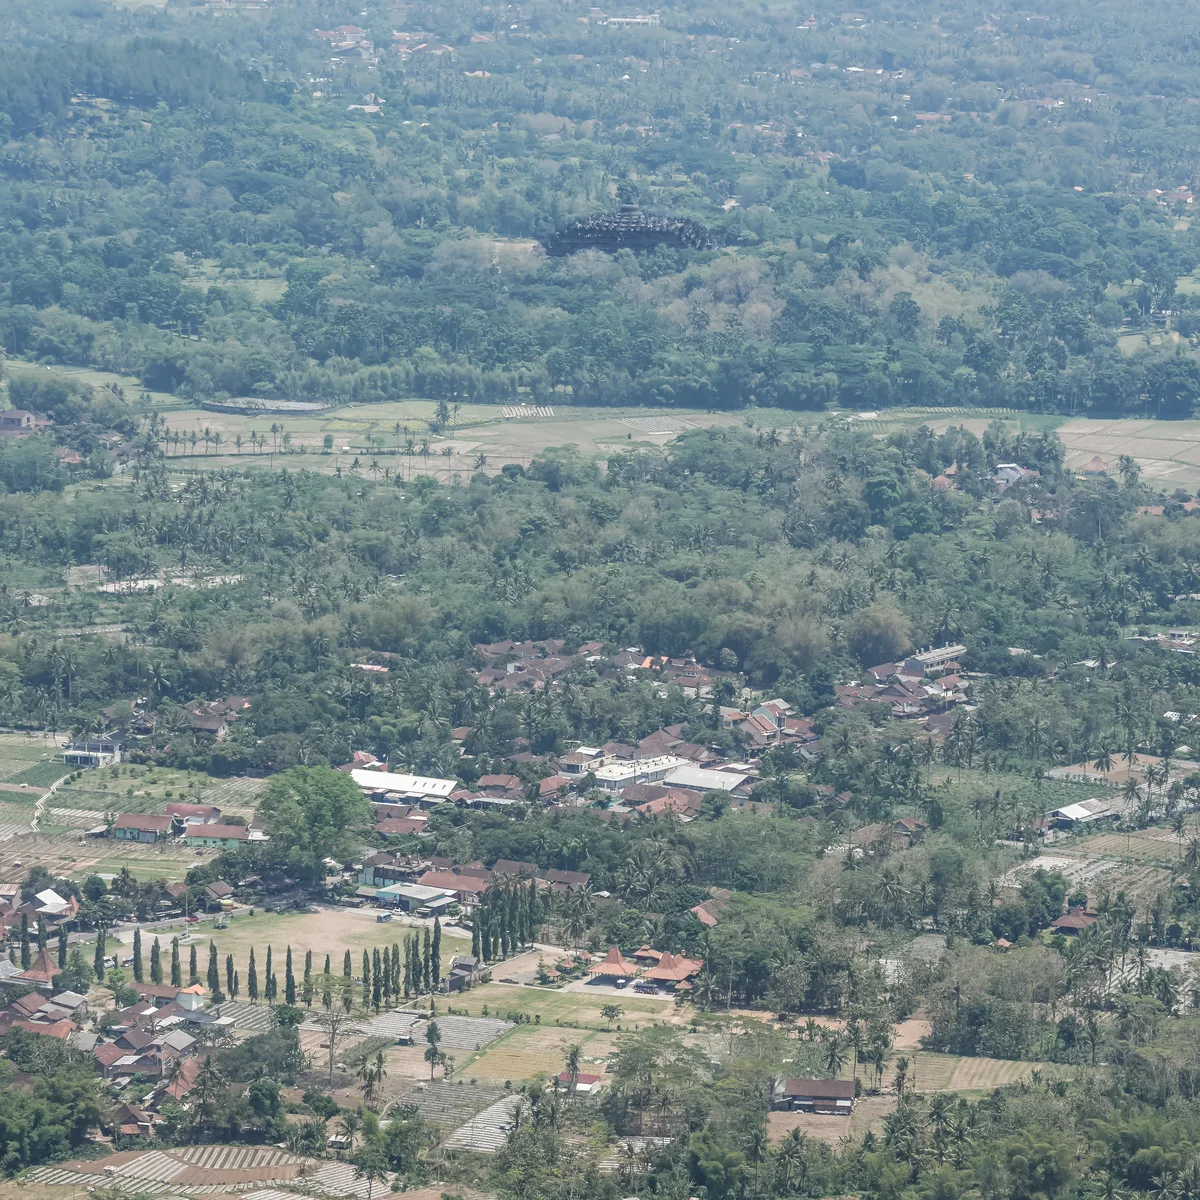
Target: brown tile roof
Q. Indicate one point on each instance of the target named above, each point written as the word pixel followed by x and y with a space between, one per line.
pixel 673 968
pixel 614 964
pixel 144 822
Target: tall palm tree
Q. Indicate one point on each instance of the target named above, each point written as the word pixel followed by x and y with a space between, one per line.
pixel 573 1059
pixel 350 1126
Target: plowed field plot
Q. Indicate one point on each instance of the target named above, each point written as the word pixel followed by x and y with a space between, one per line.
pixel 1157 846
pixel 33 760
pixel 928 1072
pixel 238 795
pixel 530 1051
pixel 485 1132
pixel 457 1033
pixel 448 1105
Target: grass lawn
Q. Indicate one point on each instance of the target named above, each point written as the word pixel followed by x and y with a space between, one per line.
pixel 562 1008
pixel 331 932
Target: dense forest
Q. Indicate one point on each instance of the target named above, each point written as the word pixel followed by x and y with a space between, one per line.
pixel 952 209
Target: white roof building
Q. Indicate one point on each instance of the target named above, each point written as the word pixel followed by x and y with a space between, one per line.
pixel 50 902
pixel 702 779
pixel 1087 811
pixel 615 776
pixel 406 785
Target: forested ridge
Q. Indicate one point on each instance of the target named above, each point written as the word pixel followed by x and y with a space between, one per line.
pixel 911 208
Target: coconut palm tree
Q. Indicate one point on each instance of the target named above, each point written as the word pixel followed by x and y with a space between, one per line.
pixel 572 1065
pixel 350 1126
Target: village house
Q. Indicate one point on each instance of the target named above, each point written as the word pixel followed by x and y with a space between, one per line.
pixel 1074 922
pixel 93 752
pixel 829 1096
pixel 17 422
pixel 218 837
pixel 143 827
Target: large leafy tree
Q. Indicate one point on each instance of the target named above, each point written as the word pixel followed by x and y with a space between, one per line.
pixel 309 813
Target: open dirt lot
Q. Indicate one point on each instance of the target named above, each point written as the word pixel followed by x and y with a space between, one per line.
pixel 868 1114
pixel 562 1007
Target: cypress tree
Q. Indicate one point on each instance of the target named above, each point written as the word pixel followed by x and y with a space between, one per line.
pixel 407 968
pixel 272 987
pixel 193 968
pixel 376 981
pixel 41 934
pixel 137 956
pixel 214 973
pixel 98 959
pixel 327 987
pixel 252 979
pixel 237 987
pixel 437 952
pixel 426 964
pixel 396 970
pixel 308 983
pixel 26 957
pixel 62 948
pixel 267 973
pixel 476 950
pixel 229 977
pixel 289 981
pixel 176 974
pixel 347 969
pixel 533 910
pixel 327 966
pixel 156 975
pixel 366 979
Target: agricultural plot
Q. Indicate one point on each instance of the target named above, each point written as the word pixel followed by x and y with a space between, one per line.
pixel 374 439
pixel 238 795
pixel 447 1105
pixel 929 1072
pixel 458 1033
pixel 129 788
pixel 1151 846
pixel 485 1132
pixel 529 1051
pixel 35 761
pixel 1167 451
